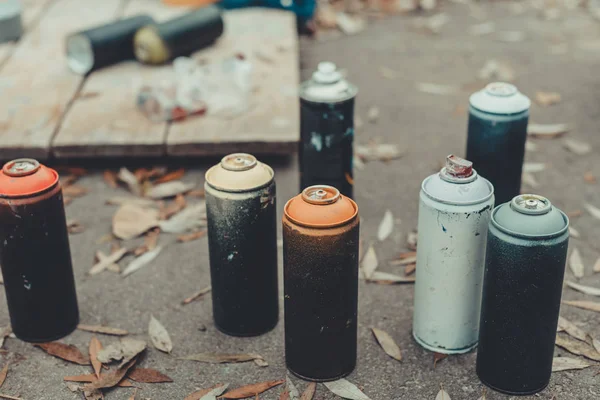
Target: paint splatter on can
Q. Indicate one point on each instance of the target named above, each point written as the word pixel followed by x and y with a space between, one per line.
pixel 242 240
pixel 454 213
pixel 320 261
pixel 34 253
pixel 524 271
pixel 327 130
pixel 181 36
pixel 104 45
pixel 497 131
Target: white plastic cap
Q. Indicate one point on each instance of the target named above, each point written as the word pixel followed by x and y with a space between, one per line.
pixel 500 98
pixel 327 73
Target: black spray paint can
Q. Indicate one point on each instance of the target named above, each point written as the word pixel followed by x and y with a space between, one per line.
pixel 524 271
pixel 181 36
pixel 497 131
pixel 242 243
pixel 327 130
pixel 104 45
pixel 320 263
pixel 34 253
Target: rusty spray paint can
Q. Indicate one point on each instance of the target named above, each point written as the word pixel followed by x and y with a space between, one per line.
pixel 497 131
pixel 524 271
pixel 35 254
pixel 320 261
pixel 327 130
pixel 454 213
pixel 242 243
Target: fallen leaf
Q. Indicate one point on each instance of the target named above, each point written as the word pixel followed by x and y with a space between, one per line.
pixel 386 278
pixel 171 176
pixel 260 362
pixel 3 374
pixel 494 70
pixel 404 261
pixel 92 394
pixel 150 242
pixel 387 344
pixel 437 357
pixel 110 177
pixel 410 269
pixel 577 347
pixel 484 28
pixel 66 352
pixel 89 378
pixel 136 201
pixel 251 390
pixel 107 261
pixel 290 392
pixel 373 114
pixel 530 146
pixel 442 395
pixel 106 330
pixel 574 233
pixel 387 73
pixel 593 210
pixel 596 268
pixel 196 193
pixel 169 189
pixel 144 174
pixel 133 395
pixel 482 395
pixel 546 99
pixel 191 218
pixel 5 396
pixel 572 329
pixel 188 237
pixel 127 177
pixel 345 389
pixel 432 24
pixel 533 167
pixel 433 88
pixel 309 392
pixel 173 208
pixel 577 147
pixel 350 25
pixel 197 395
pixel 378 152
pixel 148 375
pixel 73 387
pixel 141 261
pixel 125 349
pixel 575 214
pixel 411 240
pixel 548 131
pixel 589 177
pixel 586 305
pixel 221 358
pixel 197 295
pixel 4 333
pixel 112 378
pixel 369 263
pixel 576 263
pixel 592 291
pixel 595 343
pixel 159 336
pixel 568 363
pixel 74 226
pixel 386 226
pixel 95 347
pixel 131 221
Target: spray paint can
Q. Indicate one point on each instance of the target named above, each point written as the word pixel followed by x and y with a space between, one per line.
pixel 320 261
pixel 181 36
pixel 497 131
pixel 242 243
pixel 524 271
pixel 34 253
pixel 327 130
pixel 454 213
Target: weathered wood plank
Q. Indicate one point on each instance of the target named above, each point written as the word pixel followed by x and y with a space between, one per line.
pixel 272 124
pixel 104 120
pixel 36 85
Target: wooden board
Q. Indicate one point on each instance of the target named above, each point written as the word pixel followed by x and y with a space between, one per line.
pixel 272 125
pixel 36 83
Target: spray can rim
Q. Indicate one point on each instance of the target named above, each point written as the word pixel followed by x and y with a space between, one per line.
pixel 560 232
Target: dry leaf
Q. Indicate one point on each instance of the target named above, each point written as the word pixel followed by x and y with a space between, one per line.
pixel 433 88
pixel 572 329
pixel 596 268
pixel 110 177
pixel 378 152
pixel 494 70
pixel 411 240
pixel 159 336
pixel 545 99
pixel 112 378
pixel 131 221
pixel 386 226
pixel 125 349
pixel 169 189
pixel 437 357
pixel 410 269
pixel 107 261
pixel 387 344
pixel 148 375
pixel 350 25
pixel 575 214
pixel 577 147
pixel 482 29
pixel 66 352
pixel 197 295
pixel 386 278
pixel 197 395
pixel 222 358
pixel 188 237
pixel 309 392
pixel 574 233
pixel 141 261
pixel 593 210
pixel 133 395
pixel 369 263
pixel 74 226
pixel 81 378
pixel 136 201
pixel 586 305
pixel 404 261
pixel 95 347
pixel 346 389
pixel 191 218
pixel 373 114
pixel 433 24
pixel 73 387
pixel 577 347
pixel 576 264
pixel 547 130
pixel 92 394
pixel 533 167
pixel 130 180
pixel 567 363
pixel 442 395
pixel 171 176
pixel 4 332
pixel 3 374
pixel 106 330
pixel 5 396
pixel 260 362
pixel 290 392
pixel 173 208
pixel 196 193
pixel 592 291
pixel 251 390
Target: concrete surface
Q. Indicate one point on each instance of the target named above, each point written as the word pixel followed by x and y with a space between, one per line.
pixel 428 127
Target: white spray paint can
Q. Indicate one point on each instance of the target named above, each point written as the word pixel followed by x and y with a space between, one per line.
pixel 454 212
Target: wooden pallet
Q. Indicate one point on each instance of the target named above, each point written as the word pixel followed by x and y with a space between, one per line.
pixel 49 112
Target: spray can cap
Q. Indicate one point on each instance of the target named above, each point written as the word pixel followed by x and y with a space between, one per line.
pixel 25 176
pixel 530 215
pixel 320 206
pixel 327 85
pixel 239 172
pixel 500 98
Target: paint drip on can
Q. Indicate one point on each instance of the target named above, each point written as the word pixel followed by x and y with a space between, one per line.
pixel 35 254
pixel 524 272
pixel 327 130
pixel 320 261
pixel 497 131
pixel 454 213
pixel 242 240
pixel 11 26
pixel 104 45
pixel 181 36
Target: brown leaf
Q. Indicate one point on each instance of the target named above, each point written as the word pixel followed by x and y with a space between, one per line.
pixel 567 363
pixel 74 191
pixel 93 394
pixel 171 176
pixel 572 329
pixel 577 347
pixel 197 395
pixel 589 177
pixel 74 226
pixel 130 221
pixel 110 177
pixel 437 357
pixel 309 392
pixel 159 336
pixel 385 278
pixel 148 375
pixel 251 390
pixel 3 374
pixel 95 347
pixel 387 344
pixel 404 261
pixel 546 99
pixel 112 378
pixel 131 181
pixel 66 352
pixel 410 269
pixel 586 305
pixel 199 294
pixel 4 332
pixel 106 330
pixel 221 358
pixel 133 395
pixel 125 349
pixel 106 261
pixel 173 208
pixel 89 378
pixel 191 236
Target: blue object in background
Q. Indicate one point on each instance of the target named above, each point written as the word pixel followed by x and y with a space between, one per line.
pixel 304 9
